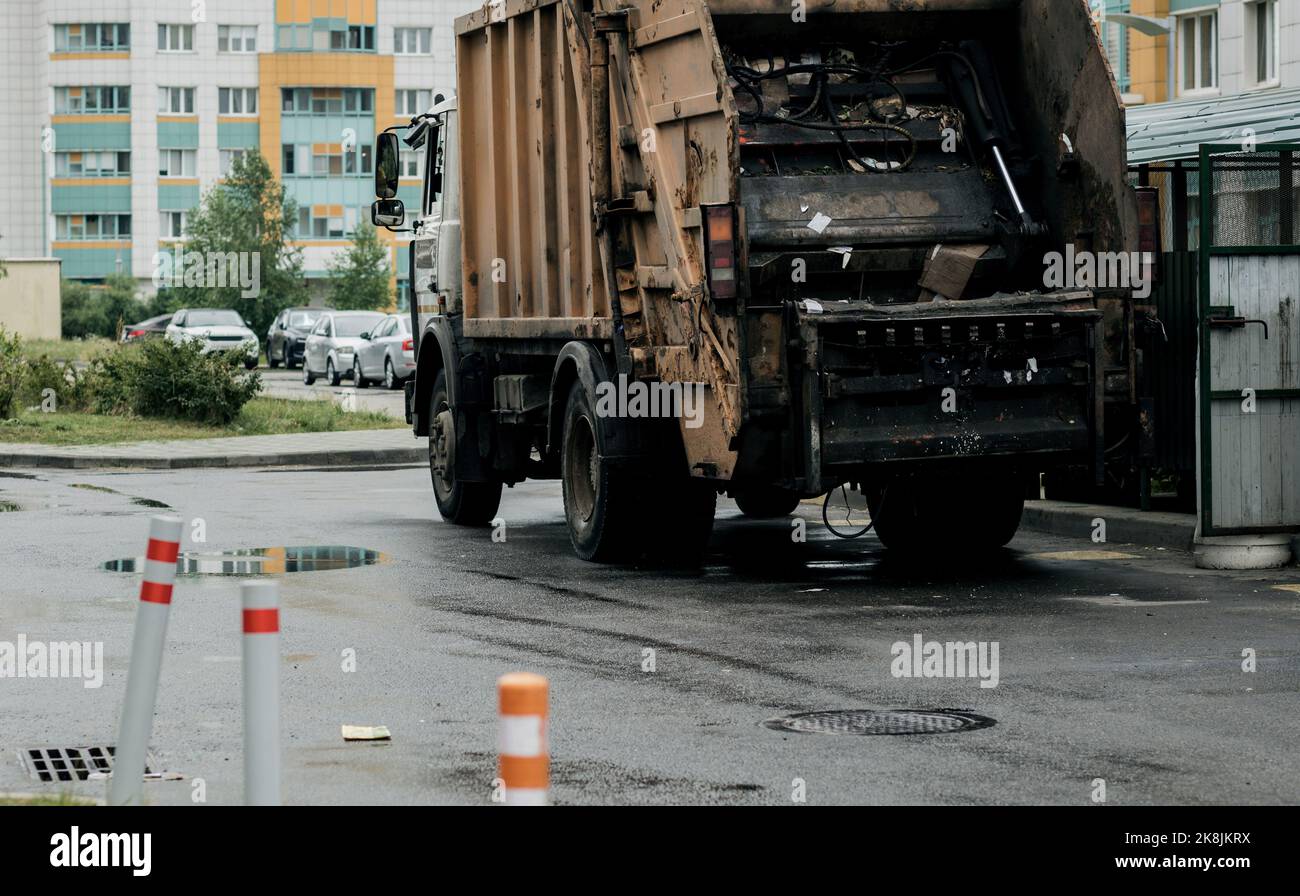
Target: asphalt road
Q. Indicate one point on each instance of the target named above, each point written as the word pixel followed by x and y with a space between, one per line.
pixel 281 383
pixel 1127 669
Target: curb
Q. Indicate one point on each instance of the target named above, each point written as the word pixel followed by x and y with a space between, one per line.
pixel 279 459
pixel 1124 525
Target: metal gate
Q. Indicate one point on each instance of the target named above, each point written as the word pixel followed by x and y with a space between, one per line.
pixel 1248 383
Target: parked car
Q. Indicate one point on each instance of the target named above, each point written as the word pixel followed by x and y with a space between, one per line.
pixel 219 329
pixel 386 353
pixel 153 327
pixel 332 343
pixel 287 337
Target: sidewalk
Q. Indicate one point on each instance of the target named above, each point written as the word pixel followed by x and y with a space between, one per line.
pixel 1124 525
pixel 366 446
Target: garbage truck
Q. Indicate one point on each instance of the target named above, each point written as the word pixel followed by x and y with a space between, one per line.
pixel 668 250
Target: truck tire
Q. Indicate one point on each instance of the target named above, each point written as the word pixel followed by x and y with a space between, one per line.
pixel 946 516
pixel 600 503
pixel 765 502
pixel 683 520
pixel 462 503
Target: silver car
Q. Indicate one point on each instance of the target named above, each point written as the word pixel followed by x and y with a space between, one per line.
pixel 386 353
pixel 218 329
pixel 332 342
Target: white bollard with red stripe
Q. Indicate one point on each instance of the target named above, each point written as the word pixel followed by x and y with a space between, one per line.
pixel 146 661
pixel 524 762
pixel 261 600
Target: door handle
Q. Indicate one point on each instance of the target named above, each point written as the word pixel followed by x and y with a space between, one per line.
pixel 1235 323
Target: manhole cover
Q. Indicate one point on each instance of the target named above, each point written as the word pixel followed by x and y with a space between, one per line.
pixel 262 561
pixel 70 763
pixel 880 721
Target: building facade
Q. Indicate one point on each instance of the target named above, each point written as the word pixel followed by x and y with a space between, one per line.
pixel 119 114
pixel 1221 48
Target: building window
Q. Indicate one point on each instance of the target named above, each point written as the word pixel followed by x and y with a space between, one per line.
pixel 327 101
pixel 325 227
pixel 94 38
pixel 1198 51
pixel 91 100
pixel 412 41
pixel 237 100
pixel 408 164
pixel 92 164
pixel 236 38
pixel 175 38
pixel 171 225
pixel 413 102
pixel 1262 41
pixel 92 227
pixel 228 157
pixel 175 100
pixel 176 162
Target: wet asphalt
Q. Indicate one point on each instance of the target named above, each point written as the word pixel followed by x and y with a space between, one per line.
pixel 1121 668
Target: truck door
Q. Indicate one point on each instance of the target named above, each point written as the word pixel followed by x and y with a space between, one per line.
pixel 435 250
pixel 1248 388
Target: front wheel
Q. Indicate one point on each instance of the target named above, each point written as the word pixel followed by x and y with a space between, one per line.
pixel 307 376
pixel 270 358
pixel 250 363
pixel 358 377
pixel 459 502
pixel 763 502
pixel 332 375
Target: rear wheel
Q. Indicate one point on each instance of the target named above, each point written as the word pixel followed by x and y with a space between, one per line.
pixel 763 502
pixel 270 358
pixel 390 375
pixel 463 503
pixel 599 501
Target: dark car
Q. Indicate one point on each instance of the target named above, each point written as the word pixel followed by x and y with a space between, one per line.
pixel 288 335
pixel 146 329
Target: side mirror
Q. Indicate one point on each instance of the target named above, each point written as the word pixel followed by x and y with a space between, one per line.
pixel 386 167
pixel 387 213
pixel 366 335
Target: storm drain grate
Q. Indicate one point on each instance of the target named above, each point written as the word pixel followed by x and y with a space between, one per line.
pixel 885 721
pixel 70 763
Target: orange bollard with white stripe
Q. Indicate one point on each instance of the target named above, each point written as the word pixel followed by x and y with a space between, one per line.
pixel 524 763
pixel 146 661
pixel 261 600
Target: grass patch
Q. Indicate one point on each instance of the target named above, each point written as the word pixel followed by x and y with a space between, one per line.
pixel 259 417
pixel 45 799
pixel 67 350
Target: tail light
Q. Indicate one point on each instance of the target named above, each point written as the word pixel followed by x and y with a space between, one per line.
pixel 136 334
pixel 408 345
pixel 1148 203
pixel 720 249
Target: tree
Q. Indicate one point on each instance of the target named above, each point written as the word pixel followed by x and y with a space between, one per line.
pixel 359 276
pixel 249 214
pixel 99 311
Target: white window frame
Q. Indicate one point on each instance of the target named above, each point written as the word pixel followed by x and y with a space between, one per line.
pixel 226 159
pixel 243 35
pixel 187 159
pixel 167 218
pixel 183 97
pixel 180 35
pixel 413 101
pixel 1180 20
pixel 247 96
pixel 420 41
pixel 1253 9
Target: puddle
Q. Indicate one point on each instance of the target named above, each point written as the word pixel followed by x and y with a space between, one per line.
pixel 9 507
pixel 142 502
pixel 262 561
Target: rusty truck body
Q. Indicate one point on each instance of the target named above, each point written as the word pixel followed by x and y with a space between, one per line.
pixel 828 221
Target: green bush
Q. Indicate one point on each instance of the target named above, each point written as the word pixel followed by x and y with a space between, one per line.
pixel 70 388
pixel 99 311
pixel 161 378
pixel 11 372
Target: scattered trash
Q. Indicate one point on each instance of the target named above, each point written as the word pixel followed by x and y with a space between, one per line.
pixel 366 732
pixel 812 306
pixel 845 251
pixel 819 223
pixel 811 590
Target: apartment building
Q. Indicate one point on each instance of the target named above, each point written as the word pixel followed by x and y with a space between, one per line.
pixel 1221 48
pixel 119 114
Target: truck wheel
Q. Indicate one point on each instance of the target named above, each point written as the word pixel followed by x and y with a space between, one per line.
pixel 762 502
pixel 684 520
pixel 956 517
pixel 462 503
pixel 599 503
